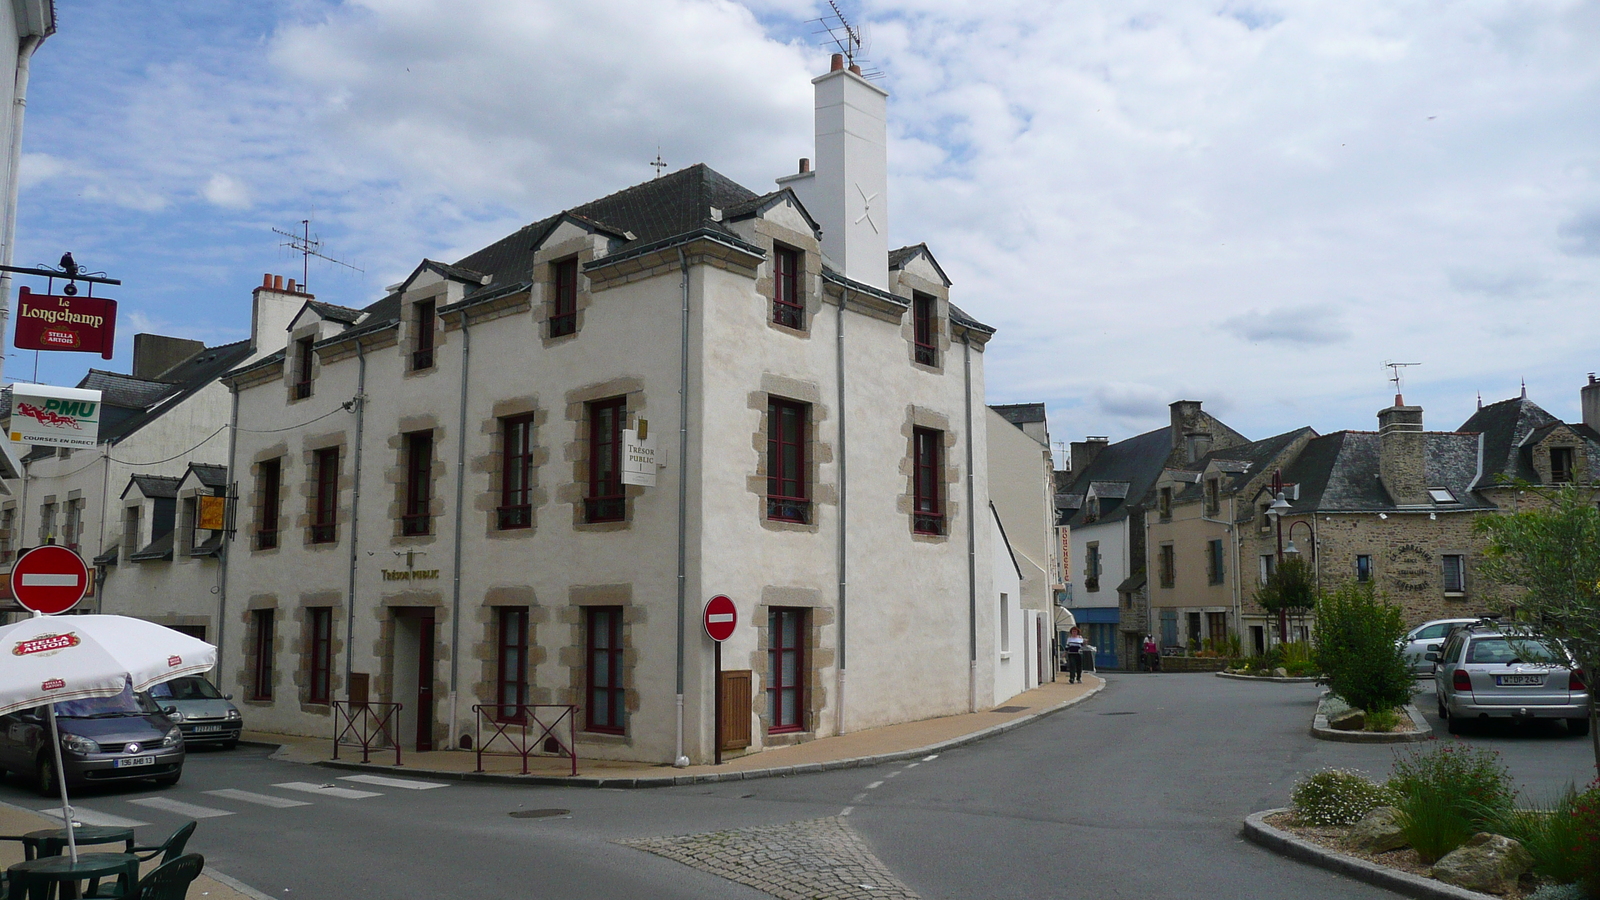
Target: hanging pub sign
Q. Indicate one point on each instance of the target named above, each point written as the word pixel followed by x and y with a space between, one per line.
pixel 48 416
pixel 638 455
pixel 52 322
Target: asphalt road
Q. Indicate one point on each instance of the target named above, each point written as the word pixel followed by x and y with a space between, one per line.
pixel 1137 793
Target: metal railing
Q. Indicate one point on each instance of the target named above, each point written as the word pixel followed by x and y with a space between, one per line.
pixel 365 725
pixel 516 722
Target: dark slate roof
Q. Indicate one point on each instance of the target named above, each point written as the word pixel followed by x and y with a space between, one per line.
pixel 1137 462
pixel 212 547
pixel 1020 413
pixel 1133 582
pixel 154 485
pixel 190 376
pixel 960 317
pixel 160 548
pixel 209 475
pixel 110 557
pixel 1251 459
pixel 117 389
pixel 1339 472
pixel 1504 426
pixel 899 258
pixel 334 312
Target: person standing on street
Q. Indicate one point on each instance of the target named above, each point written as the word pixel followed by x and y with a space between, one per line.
pixel 1152 654
pixel 1075 653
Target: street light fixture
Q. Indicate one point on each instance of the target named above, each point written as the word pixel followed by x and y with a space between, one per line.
pixel 1276 510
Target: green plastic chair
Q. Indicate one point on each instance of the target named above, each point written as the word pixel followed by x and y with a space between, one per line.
pixel 170 880
pixel 168 850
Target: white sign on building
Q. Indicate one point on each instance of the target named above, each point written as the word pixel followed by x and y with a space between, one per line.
pixel 54 416
pixel 638 456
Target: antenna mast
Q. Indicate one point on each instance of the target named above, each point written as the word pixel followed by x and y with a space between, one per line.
pixel 846 37
pixel 1398 369
pixel 306 245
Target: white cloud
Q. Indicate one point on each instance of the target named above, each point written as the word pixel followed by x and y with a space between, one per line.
pixel 226 191
pixel 38 168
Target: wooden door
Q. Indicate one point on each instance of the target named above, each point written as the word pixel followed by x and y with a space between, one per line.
pixel 735 712
pixel 425 663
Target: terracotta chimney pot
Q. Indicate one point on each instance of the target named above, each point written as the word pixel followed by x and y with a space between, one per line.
pixel 838 62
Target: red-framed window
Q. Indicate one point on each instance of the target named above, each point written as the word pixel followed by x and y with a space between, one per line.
pixel 261 683
pixel 325 514
pixel 606 502
pixel 422 355
pixel 927 507
pixel 516 472
pixel 320 623
pixel 269 483
pixel 924 328
pixel 564 309
pixel 511 679
pixel 788 497
pixel 786 669
pixel 787 307
pixel 419 483
pixel 302 368
pixel 604 669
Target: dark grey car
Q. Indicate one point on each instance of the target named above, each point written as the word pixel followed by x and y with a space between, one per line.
pixel 204 714
pixel 103 739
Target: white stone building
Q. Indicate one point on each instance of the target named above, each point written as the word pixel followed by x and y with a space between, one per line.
pixel 24 24
pixel 1021 486
pixel 432 511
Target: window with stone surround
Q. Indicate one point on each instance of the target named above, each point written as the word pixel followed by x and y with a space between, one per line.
pixel 1213 496
pixel 423 325
pixel 1169 566
pixel 1164 503
pixel 511 674
pixel 606 500
pixel 303 361
pixel 261 638
pixel 8 520
pixel 319 645
pixel 603 669
pixel 1363 567
pixel 269 475
pixel 47 523
pixel 786 669
pixel 416 516
pixel 325 508
pixel 788 494
pixel 925 328
pixel 516 472
pixel 72 531
pixel 564 303
pixel 1091 566
pixel 1455 574
pixel 788 307
pixel 1561 465
pixel 928 501
pixel 1269 565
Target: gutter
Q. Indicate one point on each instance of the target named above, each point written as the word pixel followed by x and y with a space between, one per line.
pixel 461 476
pixel 972 535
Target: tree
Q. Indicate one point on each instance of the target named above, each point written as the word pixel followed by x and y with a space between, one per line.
pixel 1291 588
pixel 1550 557
pixel 1358 648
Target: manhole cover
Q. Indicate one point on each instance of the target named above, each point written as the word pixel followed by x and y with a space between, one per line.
pixel 539 813
pixel 1009 709
pixel 1124 713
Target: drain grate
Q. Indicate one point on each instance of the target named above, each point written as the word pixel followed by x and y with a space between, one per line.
pixel 539 813
pixel 1008 709
pixel 1123 713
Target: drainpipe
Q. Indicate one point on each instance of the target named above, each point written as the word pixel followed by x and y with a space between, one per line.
pixel 222 562
pixel 461 478
pixel 13 164
pixel 838 726
pixel 679 759
pixel 1238 570
pixel 972 535
pixel 360 402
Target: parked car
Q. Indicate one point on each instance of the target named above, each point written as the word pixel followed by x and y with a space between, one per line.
pixel 1484 673
pixel 204 714
pixel 1414 645
pixel 103 739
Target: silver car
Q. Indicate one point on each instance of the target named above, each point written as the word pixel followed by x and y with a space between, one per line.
pixel 1414 646
pixel 204 714
pixel 1483 673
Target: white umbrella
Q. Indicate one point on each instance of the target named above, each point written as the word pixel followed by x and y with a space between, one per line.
pixel 47 659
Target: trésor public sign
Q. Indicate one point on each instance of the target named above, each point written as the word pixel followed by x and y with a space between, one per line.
pixel 51 322
pixel 48 416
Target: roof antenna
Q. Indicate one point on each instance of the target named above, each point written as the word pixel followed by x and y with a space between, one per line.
pixel 658 164
pixel 1524 388
pixel 847 38
pixel 1395 367
pixel 1480 399
pixel 306 245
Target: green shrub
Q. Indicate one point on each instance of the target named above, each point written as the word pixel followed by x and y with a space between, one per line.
pixel 1383 719
pixel 1446 793
pixel 1586 811
pixel 1335 797
pixel 1358 649
pixel 1552 835
pixel 1296 653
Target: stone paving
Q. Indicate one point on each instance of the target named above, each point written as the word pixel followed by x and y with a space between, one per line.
pixel 816 859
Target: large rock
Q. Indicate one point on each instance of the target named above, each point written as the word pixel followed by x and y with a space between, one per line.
pixel 1486 862
pixel 1280 672
pixel 1378 831
pixel 1349 720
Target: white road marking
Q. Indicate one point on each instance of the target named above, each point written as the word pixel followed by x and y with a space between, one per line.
pixel 258 799
pixel 859 797
pixel 90 817
pixel 383 781
pixel 893 774
pixel 874 785
pixel 181 808
pixel 846 811
pixel 327 790
pixel 930 758
pixel 913 765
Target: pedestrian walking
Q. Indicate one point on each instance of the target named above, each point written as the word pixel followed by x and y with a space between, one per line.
pixel 1075 651
pixel 1152 654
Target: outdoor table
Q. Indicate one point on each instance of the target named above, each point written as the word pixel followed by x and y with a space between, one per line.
pixel 53 841
pixel 49 871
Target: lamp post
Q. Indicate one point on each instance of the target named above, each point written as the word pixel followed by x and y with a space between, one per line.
pixel 1292 551
pixel 1276 510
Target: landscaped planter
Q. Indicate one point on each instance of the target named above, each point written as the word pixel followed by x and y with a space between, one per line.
pixel 1418 730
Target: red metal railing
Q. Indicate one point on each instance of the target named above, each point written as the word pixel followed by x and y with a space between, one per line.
pixel 365 725
pixel 523 721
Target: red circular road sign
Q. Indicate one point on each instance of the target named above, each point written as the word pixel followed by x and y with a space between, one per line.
pixel 721 618
pixel 49 579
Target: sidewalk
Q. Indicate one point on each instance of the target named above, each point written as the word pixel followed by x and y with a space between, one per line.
pixel 15 820
pixel 857 748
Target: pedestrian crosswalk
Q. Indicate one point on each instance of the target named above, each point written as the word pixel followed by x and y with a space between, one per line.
pixel 183 809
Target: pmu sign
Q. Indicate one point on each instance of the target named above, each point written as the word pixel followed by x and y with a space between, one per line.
pixel 51 322
pixel 48 416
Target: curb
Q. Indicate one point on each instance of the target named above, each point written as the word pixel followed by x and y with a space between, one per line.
pixel 595 781
pixel 1421 730
pixel 1309 679
pixel 1257 831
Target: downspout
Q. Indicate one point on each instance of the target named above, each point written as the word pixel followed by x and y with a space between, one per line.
pixel 1238 570
pixel 360 402
pixel 838 725
pixel 19 105
pixel 972 535
pixel 679 759
pixel 222 562
pixel 461 480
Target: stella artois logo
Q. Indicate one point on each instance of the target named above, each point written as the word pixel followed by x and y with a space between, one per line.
pixel 54 684
pixel 45 643
pixel 174 661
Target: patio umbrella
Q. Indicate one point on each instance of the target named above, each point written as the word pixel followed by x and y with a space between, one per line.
pixel 47 659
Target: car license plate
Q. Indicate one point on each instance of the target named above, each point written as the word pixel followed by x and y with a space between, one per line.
pixel 1512 680
pixel 206 729
pixel 132 761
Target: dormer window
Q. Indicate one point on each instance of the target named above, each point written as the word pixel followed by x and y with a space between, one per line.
pixel 1213 497
pixel 924 329
pixel 422 354
pixel 302 368
pixel 564 306
pixel 1560 465
pixel 787 308
pixel 1442 495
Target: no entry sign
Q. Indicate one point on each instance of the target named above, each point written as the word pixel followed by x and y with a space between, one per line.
pixel 721 617
pixel 49 579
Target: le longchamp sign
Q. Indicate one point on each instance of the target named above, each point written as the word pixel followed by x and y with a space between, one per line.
pixel 47 416
pixel 51 322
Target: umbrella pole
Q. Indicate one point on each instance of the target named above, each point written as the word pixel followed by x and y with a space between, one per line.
pixel 61 780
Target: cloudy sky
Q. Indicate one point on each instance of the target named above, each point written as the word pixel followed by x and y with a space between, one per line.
pixel 1254 204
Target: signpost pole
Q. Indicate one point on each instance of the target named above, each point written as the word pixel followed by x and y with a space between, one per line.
pixel 716 694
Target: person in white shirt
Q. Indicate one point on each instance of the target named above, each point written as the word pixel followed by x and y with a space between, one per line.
pixel 1075 651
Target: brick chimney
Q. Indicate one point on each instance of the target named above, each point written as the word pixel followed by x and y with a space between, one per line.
pixel 1400 454
pixel 1589 396
pixel 1084 452
pixel 1189 431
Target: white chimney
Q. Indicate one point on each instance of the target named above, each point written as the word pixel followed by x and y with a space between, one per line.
pixel 847 192
pixel 272 310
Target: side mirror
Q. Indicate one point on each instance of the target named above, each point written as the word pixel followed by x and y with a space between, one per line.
pixel 169 710
pixel 227 696
pixel 1431 656
pixel 1435 647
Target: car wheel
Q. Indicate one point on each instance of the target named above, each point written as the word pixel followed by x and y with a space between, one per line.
pixel 44 778
pixel 1443 713
pixel 1577 727
pixel 170 780
pixel 1454 725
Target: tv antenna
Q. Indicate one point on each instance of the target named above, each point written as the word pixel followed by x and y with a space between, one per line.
pixel 846 37
pixel 307 246
pixel 1397 368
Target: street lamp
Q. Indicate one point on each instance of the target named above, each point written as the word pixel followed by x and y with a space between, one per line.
pixel 1276 510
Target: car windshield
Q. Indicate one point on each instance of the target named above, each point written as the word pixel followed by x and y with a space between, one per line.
pixel 185 689
pixel 126 703
pixel 1505 651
